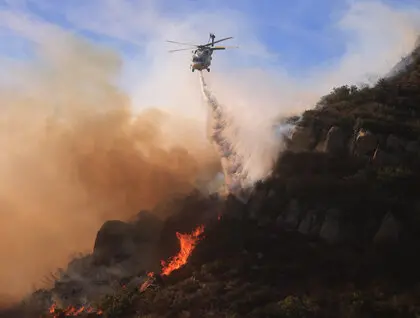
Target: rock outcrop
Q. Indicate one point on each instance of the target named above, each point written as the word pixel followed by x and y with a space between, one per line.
pixel 335 142
pixel 332 229
pixel 383 158
pixel 365 143
pixel 117 241
pixel 114 242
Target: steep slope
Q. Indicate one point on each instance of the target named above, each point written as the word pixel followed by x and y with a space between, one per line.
pixel 333 233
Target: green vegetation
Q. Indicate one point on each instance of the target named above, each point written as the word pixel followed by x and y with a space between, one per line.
pixel 391 106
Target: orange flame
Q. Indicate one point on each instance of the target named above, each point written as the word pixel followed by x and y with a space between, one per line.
pixel 72 311
pixel 188 242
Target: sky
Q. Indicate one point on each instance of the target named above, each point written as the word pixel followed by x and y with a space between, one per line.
pixel 292 37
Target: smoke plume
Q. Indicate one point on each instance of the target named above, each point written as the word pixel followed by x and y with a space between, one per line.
pixel 221 133
pixel 73 155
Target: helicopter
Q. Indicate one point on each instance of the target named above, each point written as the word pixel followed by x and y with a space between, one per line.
pixel 202 55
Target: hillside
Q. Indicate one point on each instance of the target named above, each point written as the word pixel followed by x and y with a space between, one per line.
pixel 333 233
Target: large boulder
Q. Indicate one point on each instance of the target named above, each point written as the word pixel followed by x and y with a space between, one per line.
pixel 381 157
pixel 336 141
pixel 136 240
pixel 114 242
pixel 365 143
pixel 332 230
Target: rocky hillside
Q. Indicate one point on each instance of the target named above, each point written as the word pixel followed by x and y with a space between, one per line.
pixel 333 233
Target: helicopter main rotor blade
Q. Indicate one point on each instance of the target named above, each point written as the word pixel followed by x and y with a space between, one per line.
pixel 189 44
pixel 171 51
pixel 224 47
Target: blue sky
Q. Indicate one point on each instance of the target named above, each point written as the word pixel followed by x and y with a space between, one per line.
pixel 289 50
pixel 302 33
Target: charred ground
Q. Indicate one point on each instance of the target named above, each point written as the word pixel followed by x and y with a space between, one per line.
pixel 333 232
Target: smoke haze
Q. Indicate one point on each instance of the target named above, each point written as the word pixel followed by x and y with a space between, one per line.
pixel 73 155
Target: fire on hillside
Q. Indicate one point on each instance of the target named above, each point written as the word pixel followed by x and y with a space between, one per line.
pixel 187 244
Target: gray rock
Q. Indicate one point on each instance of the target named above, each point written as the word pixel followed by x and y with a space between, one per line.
pixel 331 230
pixel 306 224
pixel 320 147
pixel 388 232
pixel 365 143
pixel 114 242
pixel 335 141
pixel 381 157
pixel 117 241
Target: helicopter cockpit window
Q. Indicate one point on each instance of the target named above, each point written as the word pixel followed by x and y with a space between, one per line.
pixel 197 59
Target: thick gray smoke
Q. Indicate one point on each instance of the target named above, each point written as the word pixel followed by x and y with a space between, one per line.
pixel 73 155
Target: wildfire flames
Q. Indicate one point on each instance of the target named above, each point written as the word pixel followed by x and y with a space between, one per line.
pixel 188 243
pixel 72 311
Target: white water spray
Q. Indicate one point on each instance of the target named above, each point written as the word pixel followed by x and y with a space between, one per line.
pixel 232 162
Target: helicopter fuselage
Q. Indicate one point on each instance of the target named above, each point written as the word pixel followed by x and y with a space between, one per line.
pixel 201 59
pixel 202 55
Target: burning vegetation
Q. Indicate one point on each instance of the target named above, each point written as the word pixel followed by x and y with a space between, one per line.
pixel 187 243
pixel 72 311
